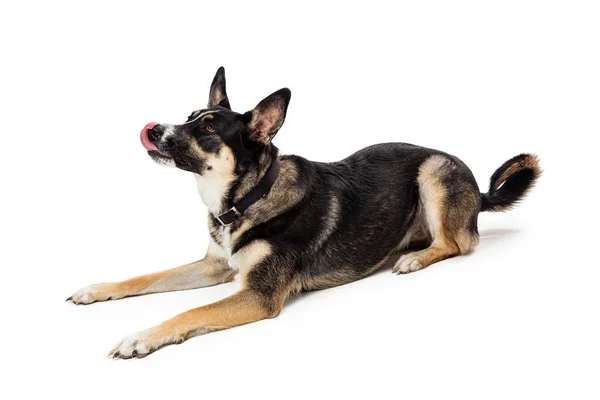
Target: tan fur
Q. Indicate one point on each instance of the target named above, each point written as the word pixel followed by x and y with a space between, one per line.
pixel 251 178
pixel 284 194
pixel 466 241
pixel 249 256
pixel 432 193
pixel 327 280
pixel 222 163
pixel 241 308
pixel 444 219
pixel 215 181
pixel 444 226
pixel 216 96
pixel 531 162
pixel 448 228
pixel 209 271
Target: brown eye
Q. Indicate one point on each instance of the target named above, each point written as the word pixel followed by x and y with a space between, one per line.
pixel 209 128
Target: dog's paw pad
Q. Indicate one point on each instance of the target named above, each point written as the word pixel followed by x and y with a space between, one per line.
pixel 407 263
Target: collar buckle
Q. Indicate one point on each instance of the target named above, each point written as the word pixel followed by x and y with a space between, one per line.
pixel 259 191
pixel 229 216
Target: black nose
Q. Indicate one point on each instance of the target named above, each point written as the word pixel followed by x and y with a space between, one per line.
pixel 155 133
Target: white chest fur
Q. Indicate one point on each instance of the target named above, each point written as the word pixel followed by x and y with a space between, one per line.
pixel 212 190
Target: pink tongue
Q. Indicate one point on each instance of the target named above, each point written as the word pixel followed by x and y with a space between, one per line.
pixel 148 145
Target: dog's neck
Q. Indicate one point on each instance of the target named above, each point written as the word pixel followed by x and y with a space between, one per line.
pixel 212 191
pixel 250 178
pixel 219 194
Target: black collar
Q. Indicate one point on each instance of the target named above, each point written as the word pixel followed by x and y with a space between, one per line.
pixel 258 191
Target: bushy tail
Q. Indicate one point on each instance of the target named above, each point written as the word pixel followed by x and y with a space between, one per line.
pixel 511 182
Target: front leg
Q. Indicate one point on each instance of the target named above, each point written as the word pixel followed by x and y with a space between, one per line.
pixel 240 308
pixel 211 270
pixel 265 285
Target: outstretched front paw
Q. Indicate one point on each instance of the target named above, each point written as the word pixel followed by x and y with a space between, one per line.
pixel 142 343
pixel 93 293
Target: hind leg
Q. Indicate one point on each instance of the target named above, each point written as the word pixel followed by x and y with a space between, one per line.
pixel 420 259
pixel 450 201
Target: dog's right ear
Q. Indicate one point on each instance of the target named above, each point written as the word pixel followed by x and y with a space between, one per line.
pixel 268 116
pixel 218 94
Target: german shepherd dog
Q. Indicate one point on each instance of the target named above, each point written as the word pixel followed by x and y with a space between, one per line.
pixel 284 224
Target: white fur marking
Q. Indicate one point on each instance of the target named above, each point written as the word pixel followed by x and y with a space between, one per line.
pixel 212 190
pixel 201 115
pixel 169 131
pixel 216 250
pixel 407 263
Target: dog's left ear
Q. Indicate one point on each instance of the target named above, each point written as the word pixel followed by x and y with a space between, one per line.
pixel 218 94
pixel 268 116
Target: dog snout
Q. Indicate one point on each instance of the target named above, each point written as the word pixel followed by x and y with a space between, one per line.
pixel 151 134
pixel 155 133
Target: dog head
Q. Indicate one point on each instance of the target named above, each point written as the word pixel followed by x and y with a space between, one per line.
pixel 216 141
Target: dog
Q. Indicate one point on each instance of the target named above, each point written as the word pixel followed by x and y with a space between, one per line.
pixel 284 224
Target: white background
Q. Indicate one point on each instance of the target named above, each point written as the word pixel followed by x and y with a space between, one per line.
pixel 82 203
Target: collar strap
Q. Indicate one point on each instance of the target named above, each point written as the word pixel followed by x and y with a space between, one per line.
pixel 257 192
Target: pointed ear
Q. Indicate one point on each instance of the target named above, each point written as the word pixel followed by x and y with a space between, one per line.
pixel 268 116
pixel 218 94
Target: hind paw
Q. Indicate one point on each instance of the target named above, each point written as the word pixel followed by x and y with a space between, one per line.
pixel 407 263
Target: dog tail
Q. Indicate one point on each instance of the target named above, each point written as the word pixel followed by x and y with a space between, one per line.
pixel 511 183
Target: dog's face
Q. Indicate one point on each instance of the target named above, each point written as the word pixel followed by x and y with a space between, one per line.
pixel 217 140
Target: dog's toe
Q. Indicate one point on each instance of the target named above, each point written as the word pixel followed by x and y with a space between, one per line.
pixel 93 293
pixel 84 295
pixel 125 348
pixel 140 344
pixel 407 263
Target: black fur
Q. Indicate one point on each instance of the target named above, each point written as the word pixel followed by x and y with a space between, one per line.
pixel 513 189
pixel 319 225
pixel 377 192
pixel 350 215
